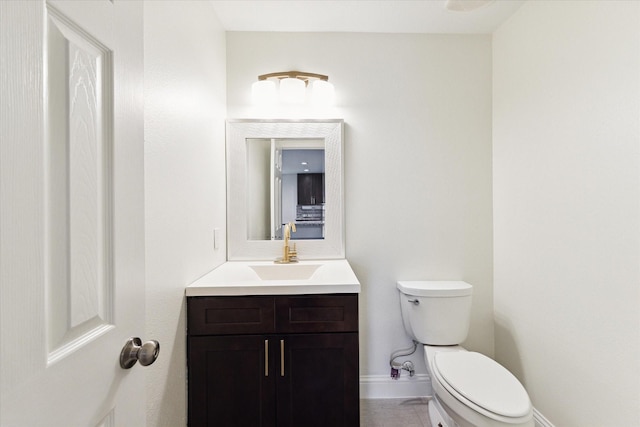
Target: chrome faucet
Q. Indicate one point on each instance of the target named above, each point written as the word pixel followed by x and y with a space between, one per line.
pixel 288 255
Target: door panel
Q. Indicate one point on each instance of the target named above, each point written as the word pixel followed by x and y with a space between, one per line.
pixel 72 212
pixel 78 205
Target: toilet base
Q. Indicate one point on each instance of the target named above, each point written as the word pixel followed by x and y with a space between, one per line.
pixel 438 416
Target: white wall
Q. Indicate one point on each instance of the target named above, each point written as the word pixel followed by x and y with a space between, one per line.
pixel 566 155
pixel 185 181
pixel 417 111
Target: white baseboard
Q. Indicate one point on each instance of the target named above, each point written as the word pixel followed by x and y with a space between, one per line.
pixel 540 420
pixel 384 387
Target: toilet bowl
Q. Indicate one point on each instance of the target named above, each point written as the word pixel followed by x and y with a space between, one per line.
pixel 470 389
pixel 476 391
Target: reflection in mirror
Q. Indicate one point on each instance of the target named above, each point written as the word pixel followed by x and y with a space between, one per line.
pixel 285 183
pixel 262 152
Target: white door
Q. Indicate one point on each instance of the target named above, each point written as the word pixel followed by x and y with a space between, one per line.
pixel 276 191
pixel 71 212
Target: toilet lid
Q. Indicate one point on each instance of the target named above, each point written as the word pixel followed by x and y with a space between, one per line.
pixel 484 382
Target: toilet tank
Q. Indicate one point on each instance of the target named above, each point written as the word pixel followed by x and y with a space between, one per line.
pixel 436 312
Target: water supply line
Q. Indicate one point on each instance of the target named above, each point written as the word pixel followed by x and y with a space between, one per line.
pixel 397 367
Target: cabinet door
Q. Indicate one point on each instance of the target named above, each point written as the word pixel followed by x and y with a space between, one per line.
pixel 319 383
pixel 304 189
pixel 231 381
pixel 317 191
pixel 310 188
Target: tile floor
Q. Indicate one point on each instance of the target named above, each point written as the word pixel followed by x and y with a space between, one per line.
pixel 394 412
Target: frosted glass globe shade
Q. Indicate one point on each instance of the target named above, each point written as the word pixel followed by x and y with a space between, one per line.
pixel 323 93
pixel 263 92
pixel 292 91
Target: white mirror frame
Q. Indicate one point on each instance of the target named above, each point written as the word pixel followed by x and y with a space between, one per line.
pixel 238 131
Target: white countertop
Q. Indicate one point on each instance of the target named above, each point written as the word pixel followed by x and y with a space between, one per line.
pixel 240 278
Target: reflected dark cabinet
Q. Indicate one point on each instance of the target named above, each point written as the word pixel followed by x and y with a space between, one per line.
pixel 310 188
pixel 280 361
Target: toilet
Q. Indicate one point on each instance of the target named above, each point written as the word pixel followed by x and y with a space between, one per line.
pixel 470 389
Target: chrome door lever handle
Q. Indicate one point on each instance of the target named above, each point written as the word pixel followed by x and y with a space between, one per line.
pixel 134 351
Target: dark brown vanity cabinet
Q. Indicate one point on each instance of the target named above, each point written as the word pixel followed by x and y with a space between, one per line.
pixel 273 361
pixel 310 188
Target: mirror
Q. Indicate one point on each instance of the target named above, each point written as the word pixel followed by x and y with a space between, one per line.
pixel 285 183
pixel 281 171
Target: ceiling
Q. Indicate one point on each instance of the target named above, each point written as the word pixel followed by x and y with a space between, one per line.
pixel 375 16
pixel 302 161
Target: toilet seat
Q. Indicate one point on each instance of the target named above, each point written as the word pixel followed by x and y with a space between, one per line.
pixel 482 384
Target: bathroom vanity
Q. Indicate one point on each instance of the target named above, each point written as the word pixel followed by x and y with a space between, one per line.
pixel 274 345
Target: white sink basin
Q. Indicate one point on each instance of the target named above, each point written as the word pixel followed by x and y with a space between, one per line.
pixel 285 271
pixel 267 278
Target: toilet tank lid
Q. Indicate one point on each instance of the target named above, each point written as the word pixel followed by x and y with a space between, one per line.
pixel 435 288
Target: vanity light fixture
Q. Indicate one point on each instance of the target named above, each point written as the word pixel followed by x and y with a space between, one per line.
pixel 466 5
pixel 292 88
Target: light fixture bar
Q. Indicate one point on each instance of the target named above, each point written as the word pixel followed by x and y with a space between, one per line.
pixel 291 88
pixel 301 75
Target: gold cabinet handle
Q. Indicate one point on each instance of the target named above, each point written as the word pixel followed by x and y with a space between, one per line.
pixel 266 358
pixel 282 358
